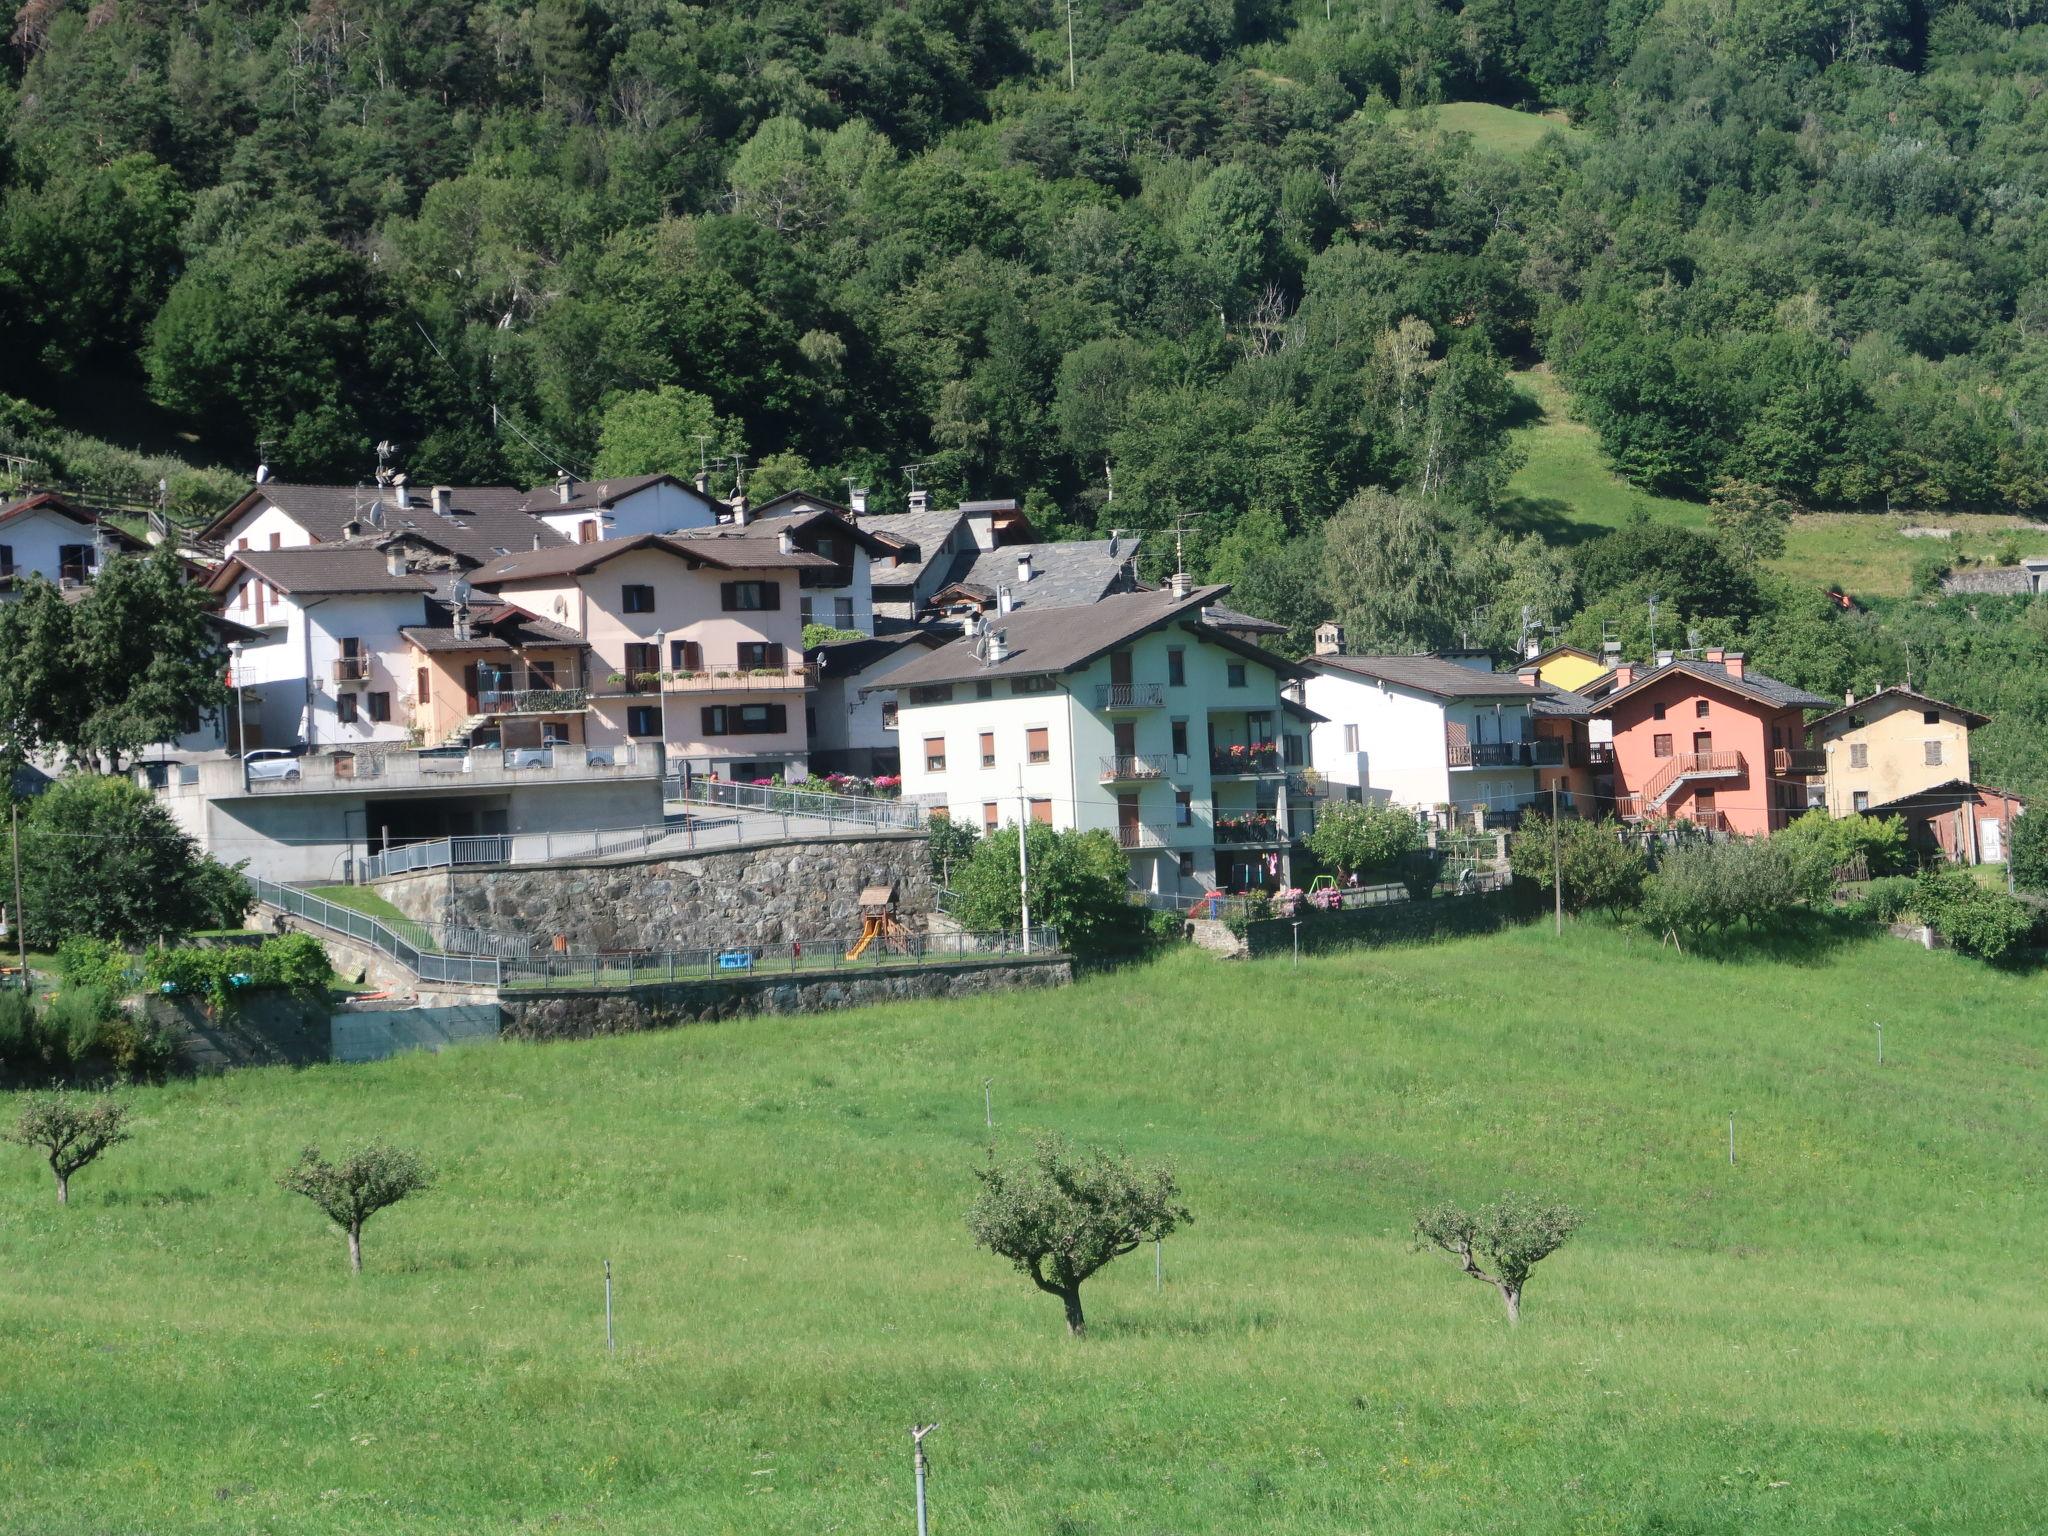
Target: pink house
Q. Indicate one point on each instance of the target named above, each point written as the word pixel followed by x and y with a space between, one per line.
pixel 1705 740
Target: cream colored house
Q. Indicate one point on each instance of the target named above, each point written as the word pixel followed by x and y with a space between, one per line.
pixel 1891 745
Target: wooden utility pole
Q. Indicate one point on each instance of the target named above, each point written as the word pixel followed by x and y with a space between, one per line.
pixel 20 911
pixel 1556 864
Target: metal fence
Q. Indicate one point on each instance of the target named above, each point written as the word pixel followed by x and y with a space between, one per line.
pixel 425 963
pixel 828 955
pixel 441 853
pixel 782 799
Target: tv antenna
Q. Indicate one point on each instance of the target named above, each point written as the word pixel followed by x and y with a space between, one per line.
pixel 1653 623
pixel 911 470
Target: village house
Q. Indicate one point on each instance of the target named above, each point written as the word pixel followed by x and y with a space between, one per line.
pixel 53 537
pixel 1130 715
pixel 1898 752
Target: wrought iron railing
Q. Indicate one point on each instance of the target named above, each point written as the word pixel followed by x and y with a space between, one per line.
pixel 427 964
pixel 1129 695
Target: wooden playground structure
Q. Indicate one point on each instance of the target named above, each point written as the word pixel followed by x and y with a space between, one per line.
pixel 879 923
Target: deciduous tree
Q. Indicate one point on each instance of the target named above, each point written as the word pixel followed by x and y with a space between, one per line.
pixel 358 1187
pixel 1499 1243
pixel 70 1130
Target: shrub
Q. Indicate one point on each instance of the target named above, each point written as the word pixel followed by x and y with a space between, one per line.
pixel 84 961
pixel 1710 887
pixel 18 1028
pixel 2030 852
pixel 1886 900
pixel 1824 844
pixel 295 960
pixel 1985 923
pixel 1080 884
pixel 1600 866
pixel 201 973
pixel 82 1019
pixel 1356 836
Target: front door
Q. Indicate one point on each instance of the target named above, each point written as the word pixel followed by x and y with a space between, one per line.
pixel 1126 742
pixel 469 689
pixel 1703 743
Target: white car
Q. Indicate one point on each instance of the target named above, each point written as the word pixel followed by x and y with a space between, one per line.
pixel 272 764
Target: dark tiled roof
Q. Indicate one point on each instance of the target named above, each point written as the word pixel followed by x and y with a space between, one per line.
pixel 592 495
pixel 736 549
pixel 850 658
pixel 925 534
pixel 1062 639
pixel 1969 717
pixel 1432 675
pixel 87 517
pixel 311 570
pixel 1244 623
pixel 493 626
pixel 1562 703
pixel 1063 575
pixel 1754 685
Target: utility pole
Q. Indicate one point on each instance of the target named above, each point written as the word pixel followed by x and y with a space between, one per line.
pixel 20 911
pixel 1024 860
pixel 2005 838
pixel 917 1434
pixel 1556 863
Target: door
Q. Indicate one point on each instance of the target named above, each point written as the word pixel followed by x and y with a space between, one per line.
pixel 1990 841
pixel 1703 807
pixel 1703 743
pixel 1127 820
pixel 1126 743
pixel 469 689
pixel 1120 669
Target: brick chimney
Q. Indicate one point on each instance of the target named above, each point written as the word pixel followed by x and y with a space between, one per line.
pixel 1733 662
pixel 1529 677
pixel 1624 673
pixel 1714 653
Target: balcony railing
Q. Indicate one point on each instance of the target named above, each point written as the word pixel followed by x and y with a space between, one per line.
pixel 1487 754
pixel 1802 761
pixel 707 680
pixel 1307 782
pixel 1257 829
pixel 351 669
pixel 1687 766
pixel 1140 768
pixel 1546 752
pixel 1247 757
pixel 1600 754
pixel 1122 696
pixel 1139 835
pixel 329 772
pixel 531 701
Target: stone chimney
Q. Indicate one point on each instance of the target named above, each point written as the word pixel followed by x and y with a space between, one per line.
pixel 1848 697
pixel 703 482
pixel 1624 673
pixel 565 487
pixel 394 560
pixel 785 543
pixel 1023 567
pixel 442 495
pixel 1733 662
pixel 1329 639
pixel 740 514
pixel 919 500
pixel 1663 658
pixel 1181 584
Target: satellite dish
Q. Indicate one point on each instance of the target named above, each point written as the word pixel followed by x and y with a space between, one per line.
pixel 461 592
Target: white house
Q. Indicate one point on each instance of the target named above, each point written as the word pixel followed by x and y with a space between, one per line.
pixel 622 507
pixel 1131 715
pixel 48 536
pixel 1426 731
pixel 853 705
pixel 938 546
pixel 326 671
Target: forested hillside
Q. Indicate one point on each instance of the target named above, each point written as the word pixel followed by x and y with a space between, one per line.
pixel 1220 263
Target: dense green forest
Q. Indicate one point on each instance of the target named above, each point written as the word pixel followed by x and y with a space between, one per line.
pixel 1150 263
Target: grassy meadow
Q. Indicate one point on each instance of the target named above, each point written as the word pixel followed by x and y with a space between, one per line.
pixel 1504 130
pixel 1839 1333
pixel 1565 491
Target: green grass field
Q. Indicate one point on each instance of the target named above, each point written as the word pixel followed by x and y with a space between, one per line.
pixel 1840 1333
pixel 1501 129
pixel 1566 492
pixel 360 898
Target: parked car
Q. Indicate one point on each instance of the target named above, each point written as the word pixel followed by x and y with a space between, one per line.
pixel 528 757
pixel 273 763
pixel 600 757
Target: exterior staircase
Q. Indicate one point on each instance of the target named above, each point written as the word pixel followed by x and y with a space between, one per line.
pixel 1687 768
pixel 461 734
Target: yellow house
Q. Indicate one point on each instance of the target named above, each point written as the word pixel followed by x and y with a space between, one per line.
pixel 1890 745
pixel 1568 667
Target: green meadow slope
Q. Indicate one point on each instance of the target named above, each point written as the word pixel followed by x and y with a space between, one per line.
pixel 1839 1333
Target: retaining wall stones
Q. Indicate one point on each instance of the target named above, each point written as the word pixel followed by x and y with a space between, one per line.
pixel 580 1012
pixel 764 893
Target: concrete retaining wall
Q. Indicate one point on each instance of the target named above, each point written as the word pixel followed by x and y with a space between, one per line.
pixel 371 1034
pixel 578 1013
pixel 264 1029
pixel 765 893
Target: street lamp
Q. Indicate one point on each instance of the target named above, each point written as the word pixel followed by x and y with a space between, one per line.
pixel 241 715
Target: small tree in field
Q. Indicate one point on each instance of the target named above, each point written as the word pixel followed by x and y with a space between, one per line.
pixel 1059 1218
pixel 356 1188
pixel 71 1129
pixel 1512 1236
pixel 1355 835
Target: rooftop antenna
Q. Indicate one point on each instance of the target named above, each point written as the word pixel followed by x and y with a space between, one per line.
pixel 1109 479
pixel 703 464
pixel 1653 624
pixel 385 449
pixel 911 470
pixel 1610 643
pixel 1692 640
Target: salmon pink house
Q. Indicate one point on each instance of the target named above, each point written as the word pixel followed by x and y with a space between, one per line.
pixel 1705 740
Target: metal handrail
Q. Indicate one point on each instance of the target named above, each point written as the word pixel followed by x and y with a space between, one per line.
pixel 1129 767
pixel 789 800
pixel 1129 695
pixel 426 964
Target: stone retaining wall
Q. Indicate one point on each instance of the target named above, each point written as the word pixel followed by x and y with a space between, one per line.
pixel 764 893
pixel 580 1012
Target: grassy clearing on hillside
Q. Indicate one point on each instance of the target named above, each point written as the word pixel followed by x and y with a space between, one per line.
pixel 1870 551
pixel 1501 129
pixel 1841 1332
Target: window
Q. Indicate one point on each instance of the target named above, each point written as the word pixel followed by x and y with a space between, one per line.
pixel 988 749
pixel 1177 669
pixel 1660 745
pixel 586 531
pixel 1187 866
pixel 243 603
pixel 1351 739
pixel 1933 753
pixel 989 812
pixel 1859 754
pixel 380 706
pixel 685 656
pixel 1180 738
pixel 760 656
pixel 827 546
pixel 642 660
pixel 1699 709
pixel 935 754
pixel 1930 717
pixel 345 708
pixel 985 688
pixel 1020 686
pixel 1183 808
pixel 932 693
pixel 1860 800
pixel 1656 711
pixel 1037 744
pixel 810 721
pixel 842 612
pixel 745 719
pixel 643 720
pixel 889 714
pixel 636 598
pixel 1041 812
pixel 421 693
pixel 749 596
pixel 1777 736
pixel 1233 674
pixel 277 541
pixel 803 610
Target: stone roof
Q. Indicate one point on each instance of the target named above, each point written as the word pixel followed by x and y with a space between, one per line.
pixel 1432 675
pixel 1907 696
pixel 728 547
pixel 1063 575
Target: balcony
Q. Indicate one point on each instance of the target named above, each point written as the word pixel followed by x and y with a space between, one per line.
pixel 1307 783
pixel 1546 752
pixel 1123 698
pixel 351 669
pixel 790 679
pixel 1140 768
pixel 1688 768
pixel 1246 759
pixel 1486 754
pixel 1257 829
pixel 435 768
pixel 1798 762
pixel 531 701
pixel 1133 835
pixel 1600 755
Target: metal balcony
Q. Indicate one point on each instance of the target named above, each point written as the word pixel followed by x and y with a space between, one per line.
pixel 1140 768
pixel 1121 698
